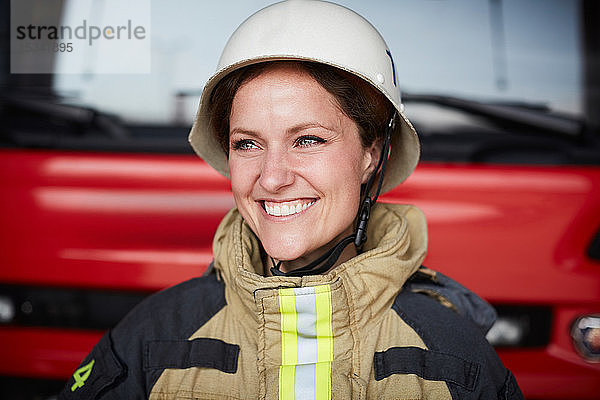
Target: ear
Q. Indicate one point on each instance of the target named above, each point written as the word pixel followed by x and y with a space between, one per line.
pixel 370 160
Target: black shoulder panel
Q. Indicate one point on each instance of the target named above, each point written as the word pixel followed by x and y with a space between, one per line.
pixel 453 340
pixel 117 368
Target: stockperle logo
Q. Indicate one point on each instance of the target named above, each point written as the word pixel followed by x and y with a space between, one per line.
pixel 80 36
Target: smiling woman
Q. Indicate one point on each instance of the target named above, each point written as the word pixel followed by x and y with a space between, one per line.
pixel 291 146
pixel 305 300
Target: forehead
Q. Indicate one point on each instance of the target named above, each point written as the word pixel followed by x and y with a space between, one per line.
pixel 280 89
pixel 283 73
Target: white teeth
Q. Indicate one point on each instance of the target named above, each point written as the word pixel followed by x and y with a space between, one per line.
pixel 286 209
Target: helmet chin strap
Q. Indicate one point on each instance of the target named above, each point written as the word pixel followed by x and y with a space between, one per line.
pixel 327 260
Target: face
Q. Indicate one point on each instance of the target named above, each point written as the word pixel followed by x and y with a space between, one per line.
pixel 296 163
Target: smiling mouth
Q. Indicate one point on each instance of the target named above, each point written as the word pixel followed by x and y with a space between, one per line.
pixel 285 208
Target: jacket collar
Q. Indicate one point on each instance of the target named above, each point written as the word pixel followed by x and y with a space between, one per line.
pixel 396 247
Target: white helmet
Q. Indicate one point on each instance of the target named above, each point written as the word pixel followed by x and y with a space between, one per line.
pixel 318 31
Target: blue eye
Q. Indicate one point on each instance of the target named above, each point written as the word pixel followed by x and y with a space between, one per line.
pixel 309 140
pixel 244 144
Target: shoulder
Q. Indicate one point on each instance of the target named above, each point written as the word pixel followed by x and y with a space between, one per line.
pixel 176 311
pixel 117 366
pixel 457 351
pixel 440 327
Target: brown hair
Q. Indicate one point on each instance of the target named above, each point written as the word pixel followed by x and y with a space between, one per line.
pixel 368 108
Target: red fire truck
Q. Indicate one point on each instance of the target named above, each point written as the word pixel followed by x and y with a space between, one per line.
pixel 97 212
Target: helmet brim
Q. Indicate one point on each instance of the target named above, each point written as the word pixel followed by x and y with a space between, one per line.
pixel 404 149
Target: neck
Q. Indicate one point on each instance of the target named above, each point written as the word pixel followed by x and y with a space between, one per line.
pixel 290 265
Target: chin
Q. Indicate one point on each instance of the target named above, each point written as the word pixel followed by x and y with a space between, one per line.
pixel 279 250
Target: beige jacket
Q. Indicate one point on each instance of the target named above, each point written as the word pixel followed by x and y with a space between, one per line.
pixel 358 332
pixel 362 321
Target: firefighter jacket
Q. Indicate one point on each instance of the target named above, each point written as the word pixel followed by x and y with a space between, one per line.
pixel 375 327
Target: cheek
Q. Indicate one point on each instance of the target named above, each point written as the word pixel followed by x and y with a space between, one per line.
pixel 339 173
pixel 241 174
pixel 351 165
pixel 353 177
pixel 241 188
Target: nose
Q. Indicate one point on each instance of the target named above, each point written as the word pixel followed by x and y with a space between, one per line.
pixel 276 173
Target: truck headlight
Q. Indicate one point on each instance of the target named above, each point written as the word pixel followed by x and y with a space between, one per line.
pixel 506 332
pixel 7 310
pixel 585 333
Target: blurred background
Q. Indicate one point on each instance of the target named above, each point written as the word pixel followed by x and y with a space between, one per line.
pixel 102 201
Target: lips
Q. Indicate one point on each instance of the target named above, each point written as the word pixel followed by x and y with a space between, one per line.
pixel 286 208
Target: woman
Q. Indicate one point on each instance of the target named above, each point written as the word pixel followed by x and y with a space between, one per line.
pixel 315 290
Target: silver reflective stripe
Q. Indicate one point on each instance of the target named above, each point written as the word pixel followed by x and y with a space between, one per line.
pixel 304 381
pixel 306 327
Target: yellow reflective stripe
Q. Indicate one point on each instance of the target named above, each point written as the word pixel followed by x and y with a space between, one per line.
pixel 289 335
pixel 323 381
pixel 324 342
pixel 289 343
pixel 287 376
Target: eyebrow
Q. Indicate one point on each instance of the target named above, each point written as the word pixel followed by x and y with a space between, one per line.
pixel 243 132
pixel 292 130
pixel 308 125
